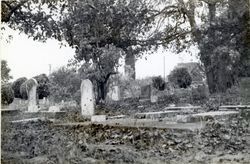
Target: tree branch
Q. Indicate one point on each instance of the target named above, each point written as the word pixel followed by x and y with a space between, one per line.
pixel 6 16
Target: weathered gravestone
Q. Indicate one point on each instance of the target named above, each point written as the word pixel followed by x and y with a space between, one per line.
pixel 87 98
pixel 153 95
pixel 44 100
pixel 114 93
pixel 31 87
pixel 54 109
pixel 146 91
pixel 245 89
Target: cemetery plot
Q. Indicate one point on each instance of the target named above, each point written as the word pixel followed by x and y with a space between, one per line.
pixel 92 111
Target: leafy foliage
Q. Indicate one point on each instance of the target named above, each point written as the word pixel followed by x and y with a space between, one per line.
pixel 222 37
pixel 5 70
pixel 99 71
pixel 180 77
pixel 92 27
pixel 222 34
pixel 7 94
pixel 65 85
pixel 102 42
pixel 158 83
pixel 16 86
pixel 221 47
pixel 43 86
pixel 199 93
pixel 23 91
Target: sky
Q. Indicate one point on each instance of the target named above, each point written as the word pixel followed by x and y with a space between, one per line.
pixel 28 58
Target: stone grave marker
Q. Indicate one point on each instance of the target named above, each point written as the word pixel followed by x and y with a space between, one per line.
pixel 32 95
pixel 153 96
pixel 54 109
pixel 87 98
pixel 44 100
pixel 146 91
pixel 98 118
pixel 114 93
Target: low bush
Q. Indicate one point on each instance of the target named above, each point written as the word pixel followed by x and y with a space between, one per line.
pixel 199 93
pixel 169 99
pixel 158 83
pixel 43 86
pixel 23 91
pixel 130 88
pixel 65 85
pixel 7 94
pixel 180 77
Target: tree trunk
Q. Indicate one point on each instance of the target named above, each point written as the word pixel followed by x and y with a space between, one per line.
pixel 102 88
pixel 130 64
pixel 244 19
pixel 206 53
pixel 102 91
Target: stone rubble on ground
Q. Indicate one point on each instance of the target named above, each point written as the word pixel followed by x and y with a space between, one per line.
pixel 98 118
pixel 54 109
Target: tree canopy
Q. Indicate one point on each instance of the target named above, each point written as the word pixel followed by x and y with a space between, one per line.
pixel 220 29
pixel 5 72
pixel 64 84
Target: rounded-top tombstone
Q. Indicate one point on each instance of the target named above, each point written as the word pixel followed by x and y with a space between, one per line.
pixel 31 88
pixel 87 98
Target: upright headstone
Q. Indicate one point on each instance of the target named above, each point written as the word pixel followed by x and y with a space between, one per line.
pixel 146 91
pixel 47 101
pixel 114 93
pixel 44 101
pixel 54 109
pixel 87 98
pixel 32 97
pixel 153 96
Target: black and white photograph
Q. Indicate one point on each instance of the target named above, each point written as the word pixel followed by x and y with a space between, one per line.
pixel 125 81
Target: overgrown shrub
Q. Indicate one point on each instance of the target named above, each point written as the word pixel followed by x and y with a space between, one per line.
pixel 199 93
pixel 7 94
pixel 128 86
pixel 43 86
pixel 65 85
pixel 77 96
pixel 169 99
pixel 158 83
pixel 16 86
pixel 23 91
pixel 180 77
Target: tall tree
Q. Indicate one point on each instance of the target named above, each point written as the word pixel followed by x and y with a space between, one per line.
pixel 98 30
pixel 5 72
pixel 218 33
